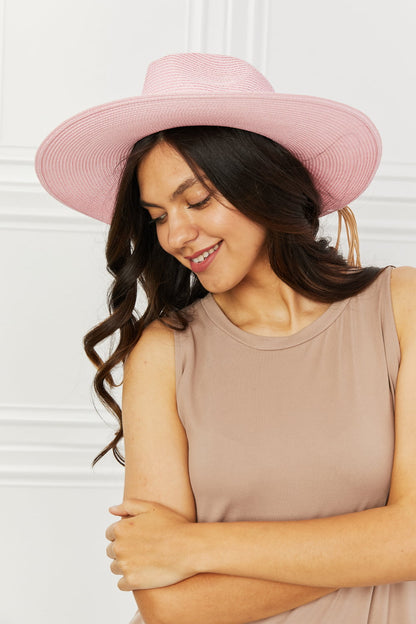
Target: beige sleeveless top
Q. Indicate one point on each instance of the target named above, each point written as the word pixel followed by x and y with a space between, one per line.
pixel 295 427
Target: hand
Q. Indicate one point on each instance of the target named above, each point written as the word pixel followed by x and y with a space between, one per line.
pixel 149 545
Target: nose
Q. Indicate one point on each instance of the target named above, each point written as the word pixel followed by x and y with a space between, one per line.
pixel 181 229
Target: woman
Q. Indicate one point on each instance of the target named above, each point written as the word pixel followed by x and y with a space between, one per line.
pixel 268 395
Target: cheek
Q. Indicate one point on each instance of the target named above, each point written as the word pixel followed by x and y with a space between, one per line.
pixel 253 235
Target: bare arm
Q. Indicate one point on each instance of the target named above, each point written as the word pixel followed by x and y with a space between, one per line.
pixel 372 547
pixel 157 470
pixel 222 599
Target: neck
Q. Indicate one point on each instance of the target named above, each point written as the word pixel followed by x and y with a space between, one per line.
pixel 268 307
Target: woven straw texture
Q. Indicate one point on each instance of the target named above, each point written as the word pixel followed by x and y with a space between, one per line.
pixel 80 162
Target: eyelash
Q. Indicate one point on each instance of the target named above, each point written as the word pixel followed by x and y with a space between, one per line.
pixel 200 204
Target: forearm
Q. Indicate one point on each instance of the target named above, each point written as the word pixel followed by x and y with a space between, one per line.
pixel 222 599
pixel 371 547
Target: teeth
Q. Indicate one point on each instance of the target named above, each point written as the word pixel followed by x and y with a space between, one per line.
pixel 204 255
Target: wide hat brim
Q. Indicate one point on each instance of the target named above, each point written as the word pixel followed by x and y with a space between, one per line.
pixel 81 161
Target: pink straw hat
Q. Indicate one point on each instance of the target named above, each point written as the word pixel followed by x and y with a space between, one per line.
pixel 80 162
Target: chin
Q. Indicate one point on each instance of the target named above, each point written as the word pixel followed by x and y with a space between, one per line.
pixel 216 288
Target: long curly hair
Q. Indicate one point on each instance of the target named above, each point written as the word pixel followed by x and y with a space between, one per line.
pixel 260 178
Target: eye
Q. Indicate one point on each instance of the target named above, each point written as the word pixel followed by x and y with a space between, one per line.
pixel 199 204
pixel 158 219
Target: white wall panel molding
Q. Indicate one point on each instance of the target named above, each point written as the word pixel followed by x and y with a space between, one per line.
pixel 209 26
pixel 236 27
pixel 27 209
pixel 381 230
pixel 388 231
pixel 24 204
pixel 395 182
pixel 58 415
pixel 2 53
pixel 16 163
pixel 387 212
pixel 53 445
pixel 258 32
pixel 196 29
pixel 33 475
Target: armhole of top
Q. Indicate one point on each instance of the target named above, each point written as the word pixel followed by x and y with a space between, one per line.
pixel 390 335
pixel 179 367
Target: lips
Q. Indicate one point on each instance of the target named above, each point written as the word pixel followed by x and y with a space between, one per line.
pixel 197 267
pixel 198 253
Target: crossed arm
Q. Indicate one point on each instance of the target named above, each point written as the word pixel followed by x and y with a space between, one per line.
pixel 292 562
pixel 157 470
pixel 221 599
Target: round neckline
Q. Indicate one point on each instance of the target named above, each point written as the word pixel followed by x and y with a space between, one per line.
pixel 221 320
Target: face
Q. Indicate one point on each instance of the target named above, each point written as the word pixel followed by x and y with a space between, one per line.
pixel 190 221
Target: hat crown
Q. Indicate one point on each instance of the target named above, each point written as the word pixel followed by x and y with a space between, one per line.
pixel 203 73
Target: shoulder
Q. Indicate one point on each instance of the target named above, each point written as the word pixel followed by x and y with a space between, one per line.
pixel 403 295
pixel 154 349
pixel 403 279
pixel 157 333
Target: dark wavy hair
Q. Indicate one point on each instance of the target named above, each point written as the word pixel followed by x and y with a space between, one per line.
pixel 260 178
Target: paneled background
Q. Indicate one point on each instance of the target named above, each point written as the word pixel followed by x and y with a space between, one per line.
pixel 56 59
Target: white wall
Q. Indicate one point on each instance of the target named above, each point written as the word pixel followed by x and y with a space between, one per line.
pixel 56 59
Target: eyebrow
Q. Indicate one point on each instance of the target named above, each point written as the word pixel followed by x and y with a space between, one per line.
pixel 181 189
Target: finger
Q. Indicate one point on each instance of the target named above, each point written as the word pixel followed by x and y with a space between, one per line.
pixel 119 510
pixel 123 585
pixel 134 506
pixel 115 567
pixel 110 551
pixel 110 534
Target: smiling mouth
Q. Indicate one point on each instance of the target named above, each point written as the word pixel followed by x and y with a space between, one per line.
pixel 205 255
pixel 198 265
